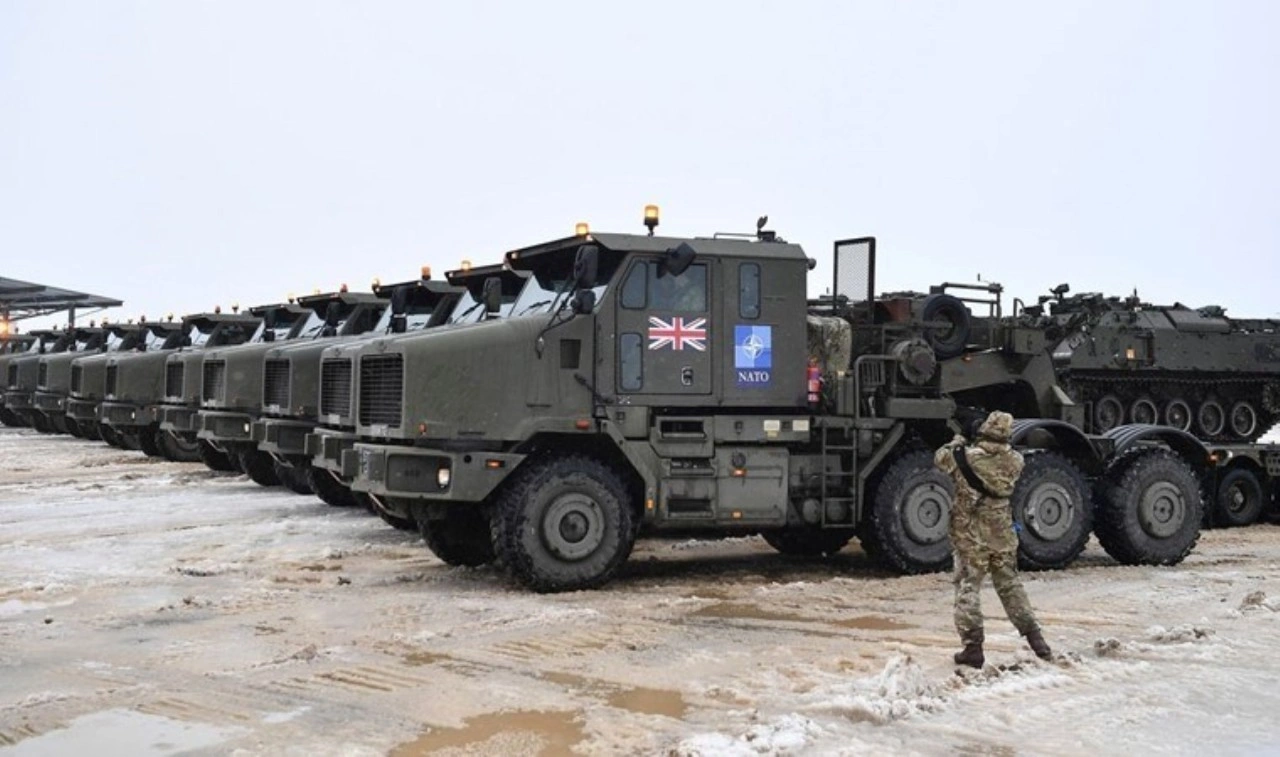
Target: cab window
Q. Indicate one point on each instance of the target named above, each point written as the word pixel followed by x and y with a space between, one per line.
pixel 649 288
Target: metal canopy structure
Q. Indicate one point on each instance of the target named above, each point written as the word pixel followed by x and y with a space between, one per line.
pixel 24 299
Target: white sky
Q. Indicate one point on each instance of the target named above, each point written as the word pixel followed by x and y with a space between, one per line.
pixel 178 155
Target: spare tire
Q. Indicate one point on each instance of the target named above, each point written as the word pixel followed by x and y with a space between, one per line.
pixel 947 341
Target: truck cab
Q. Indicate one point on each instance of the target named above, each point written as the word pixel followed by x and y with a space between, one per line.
pixel 94 377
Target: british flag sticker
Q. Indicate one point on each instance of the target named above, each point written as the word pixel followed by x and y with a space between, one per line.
pixel 678 334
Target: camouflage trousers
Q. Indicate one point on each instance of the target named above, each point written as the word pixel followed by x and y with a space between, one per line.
pixel 985 544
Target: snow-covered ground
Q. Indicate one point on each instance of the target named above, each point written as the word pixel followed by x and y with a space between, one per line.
pixel 154 608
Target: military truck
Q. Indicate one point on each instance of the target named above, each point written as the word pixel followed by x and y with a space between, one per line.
pixel 231 393
pixel 486 292
pixel 24 373
pixel 135 384
pixel 11 347
pixel 184 376
pixel 291 377
pixel 91 375
pixel 666 383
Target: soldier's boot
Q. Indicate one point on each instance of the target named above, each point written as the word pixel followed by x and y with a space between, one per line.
pixel 1036 641
pixel 971 655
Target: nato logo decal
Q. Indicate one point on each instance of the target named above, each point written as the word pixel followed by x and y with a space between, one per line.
pixel 753 356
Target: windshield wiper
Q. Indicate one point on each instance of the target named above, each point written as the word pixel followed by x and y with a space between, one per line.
pixel 534 305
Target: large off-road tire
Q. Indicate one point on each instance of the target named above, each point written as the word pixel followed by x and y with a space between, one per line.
pixel 1054 505
pixel 328 488
pixel 112 437
pixel 946 342
pixel 10 418
pixel 906 526
pixel 807 541
pixel 73 428
pixel 1239 500
pixel 462 537
pixel 176 449
pixel 1147 508
pixel 147 443
pixel 398 522
pixel 91 430
pixel 215 459
pixel 294 479
pixel 563 523
pixel 40 423
pixel 58 423
pixel 259 467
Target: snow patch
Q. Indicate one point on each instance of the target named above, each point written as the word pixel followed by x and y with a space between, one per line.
pixel 789 734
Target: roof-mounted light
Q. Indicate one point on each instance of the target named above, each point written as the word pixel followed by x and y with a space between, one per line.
pixel 581 229
pixel 651 218
pixel 466 266
pixel 426 272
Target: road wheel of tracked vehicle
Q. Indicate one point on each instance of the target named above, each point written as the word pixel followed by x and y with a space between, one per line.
pixel 214 458
pixel 462 537
pixel 294 479
pixel 1211 418
pixel 177 449
pixel 1144 411
pixel 1148 508
pixel 259 467
pixel 376 506
pixel 1052 502
pixel 328 488
pixel 1107 413
pixel 906 527
pixel 73 428
pixel 1239 500
pixel 111 437
pixel 808 541
pixel 146 442
pixel 1178 415
pixel 1244 420
pixel 949 341
pixel 562 524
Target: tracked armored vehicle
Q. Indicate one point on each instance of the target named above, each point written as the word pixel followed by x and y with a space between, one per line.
pixel 231 391
pixel 668 383
pixel 134 384
pixel 184 374
pixel 92 377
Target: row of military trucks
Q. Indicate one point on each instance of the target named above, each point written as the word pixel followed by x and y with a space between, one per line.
pixel 544 412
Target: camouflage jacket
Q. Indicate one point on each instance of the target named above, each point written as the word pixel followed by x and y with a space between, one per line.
pixel 996 463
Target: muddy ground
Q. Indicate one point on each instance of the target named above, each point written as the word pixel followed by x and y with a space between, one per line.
pixel 154 608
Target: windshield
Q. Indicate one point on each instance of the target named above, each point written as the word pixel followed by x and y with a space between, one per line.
pixel 114 340
pixel 200 336
pixel 153 341
pixel 416 318
pixel 82 344
pixel 469 309
pixel 315 325
pixel 280 330
pixel 539 294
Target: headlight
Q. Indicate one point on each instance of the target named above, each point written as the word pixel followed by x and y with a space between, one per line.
pixel 443 477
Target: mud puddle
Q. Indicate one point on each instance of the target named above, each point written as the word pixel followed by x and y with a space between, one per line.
pixel 522 732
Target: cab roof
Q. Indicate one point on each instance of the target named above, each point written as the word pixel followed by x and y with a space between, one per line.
pixel 528 257
pixel 318 301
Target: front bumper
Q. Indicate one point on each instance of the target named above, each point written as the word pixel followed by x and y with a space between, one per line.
pixel 224 427
pixel 280 436
pixel 50 403
pixel 413 472
pixel 18 401
pixel 180 419
pixel 331 450
pixel 83 411
pixel 124 414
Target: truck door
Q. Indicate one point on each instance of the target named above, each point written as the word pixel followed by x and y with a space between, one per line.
pixel 664 330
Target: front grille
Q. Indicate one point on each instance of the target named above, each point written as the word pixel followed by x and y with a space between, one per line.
pixel 215 380
pixel 76 378
pixel 335 387
pixel 173 380
pixel 42 374
pixel 275 383
pixel 112 372
pixel 13 377
pixel 381 390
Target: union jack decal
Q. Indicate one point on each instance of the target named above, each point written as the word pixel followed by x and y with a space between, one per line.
pixel 677 334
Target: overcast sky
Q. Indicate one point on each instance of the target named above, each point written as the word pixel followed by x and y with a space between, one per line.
pixel 179 155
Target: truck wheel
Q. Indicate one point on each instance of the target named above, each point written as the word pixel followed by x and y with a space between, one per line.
pixel 563 524
pixel 40 423
pixel 808 541
pixel 10 418
pixel 214 458
pixel 396 521
pixel 177 449
pixel 1052 502
pixel 1148 509
pixel 92 431
pixel 73 428
pixel 294 479
pixel 461 537
pixel 906 526
pixel 58 423
pixel 328 488
pixel 146 442
pixel 1239 500
pixel 259 467
pixel 111 437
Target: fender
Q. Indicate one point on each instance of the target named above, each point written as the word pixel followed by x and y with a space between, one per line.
pixel 1185 444
pixel 1076 445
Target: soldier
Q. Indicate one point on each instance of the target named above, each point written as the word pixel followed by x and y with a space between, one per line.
pixel 982 534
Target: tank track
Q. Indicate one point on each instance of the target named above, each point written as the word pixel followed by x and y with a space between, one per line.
pixel 1262 393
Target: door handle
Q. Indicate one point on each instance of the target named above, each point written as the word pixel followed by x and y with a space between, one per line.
pixel 686 375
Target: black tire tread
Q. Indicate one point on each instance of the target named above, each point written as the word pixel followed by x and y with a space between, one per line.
pixel 1112 509
pixel 877 534
pixel 1028 560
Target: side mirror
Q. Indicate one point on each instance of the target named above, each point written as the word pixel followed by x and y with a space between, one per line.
pixel 492 294
pixel 678 259
pixel 399 300
pixel 268 335
pixel 584 301
pixel 585 266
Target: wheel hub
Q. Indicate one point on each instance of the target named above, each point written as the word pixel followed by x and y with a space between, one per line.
pixel 1236 499
pixel 926 513
pixel 1050 511
pixel 573 526
pixel 1162 510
